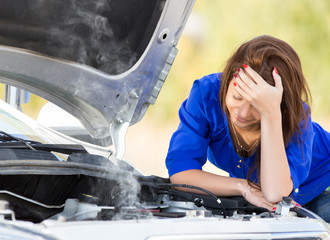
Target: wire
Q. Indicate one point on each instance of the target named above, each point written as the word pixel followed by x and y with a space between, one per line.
pixel 200 189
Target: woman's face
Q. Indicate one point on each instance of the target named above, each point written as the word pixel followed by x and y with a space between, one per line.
pixel 242 114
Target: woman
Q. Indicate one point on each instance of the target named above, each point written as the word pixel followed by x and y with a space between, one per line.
pixel 253 121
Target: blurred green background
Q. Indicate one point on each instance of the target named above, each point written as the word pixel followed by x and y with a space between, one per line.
pixel 214 30
pixel 217 27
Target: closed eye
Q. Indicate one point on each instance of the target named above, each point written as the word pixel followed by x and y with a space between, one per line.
pixel 238 97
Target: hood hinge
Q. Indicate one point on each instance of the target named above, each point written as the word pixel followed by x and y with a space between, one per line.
pixel 121 122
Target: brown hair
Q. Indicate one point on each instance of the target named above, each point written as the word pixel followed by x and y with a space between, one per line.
pixel 263 54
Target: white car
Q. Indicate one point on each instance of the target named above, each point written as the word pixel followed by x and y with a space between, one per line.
pixel 105 62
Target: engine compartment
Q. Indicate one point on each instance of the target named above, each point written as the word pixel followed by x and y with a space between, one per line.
pixel 35 186
pixel 36 198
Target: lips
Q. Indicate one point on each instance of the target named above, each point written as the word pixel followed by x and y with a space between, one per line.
pixel 242 120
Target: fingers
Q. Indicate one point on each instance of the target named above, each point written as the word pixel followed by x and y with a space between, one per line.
pixel 262 96
pixel 257 79
pixel 277 79
pixel 265 204
pixel 269 206
pixel 251 83
pixel 244 81
pixel 242 88
pixel 251 78
pixel 256 197
pixel 246 87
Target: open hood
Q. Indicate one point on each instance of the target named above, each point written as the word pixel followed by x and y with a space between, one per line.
pixel 103 61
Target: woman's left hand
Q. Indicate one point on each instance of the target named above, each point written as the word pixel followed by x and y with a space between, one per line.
pixel 262 96
pixel 275 178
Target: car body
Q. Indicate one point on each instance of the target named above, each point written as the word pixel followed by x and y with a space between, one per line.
pixel 105 62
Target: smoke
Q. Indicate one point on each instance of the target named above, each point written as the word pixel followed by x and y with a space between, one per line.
pixel 128 205
pixel 119 189
pixel 84 31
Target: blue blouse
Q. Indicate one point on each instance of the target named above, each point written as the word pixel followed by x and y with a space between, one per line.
pixel 203 134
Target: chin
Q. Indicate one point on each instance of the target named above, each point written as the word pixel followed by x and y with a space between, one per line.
pixel 250 126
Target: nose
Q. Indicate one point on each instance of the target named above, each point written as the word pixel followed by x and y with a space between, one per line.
pixel 245 110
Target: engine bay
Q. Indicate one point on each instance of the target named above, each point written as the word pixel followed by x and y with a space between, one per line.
pixel 35 186
pixel 36 198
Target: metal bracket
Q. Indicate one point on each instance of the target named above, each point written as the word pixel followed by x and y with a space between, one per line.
pixel 283 207
pixel 5 211
pixel 119 126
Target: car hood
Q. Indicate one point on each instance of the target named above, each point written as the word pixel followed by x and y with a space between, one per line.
pixel 103 61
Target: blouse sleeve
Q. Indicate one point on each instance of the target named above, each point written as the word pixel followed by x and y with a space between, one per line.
pixel 299 154
pixel 188 145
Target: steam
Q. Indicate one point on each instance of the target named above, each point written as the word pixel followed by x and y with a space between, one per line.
pixel 128 204
pixel 84 31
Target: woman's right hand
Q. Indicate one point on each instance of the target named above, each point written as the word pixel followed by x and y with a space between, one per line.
pixel 254 195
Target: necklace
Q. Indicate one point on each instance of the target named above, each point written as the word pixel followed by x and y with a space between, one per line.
pixel 239 146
